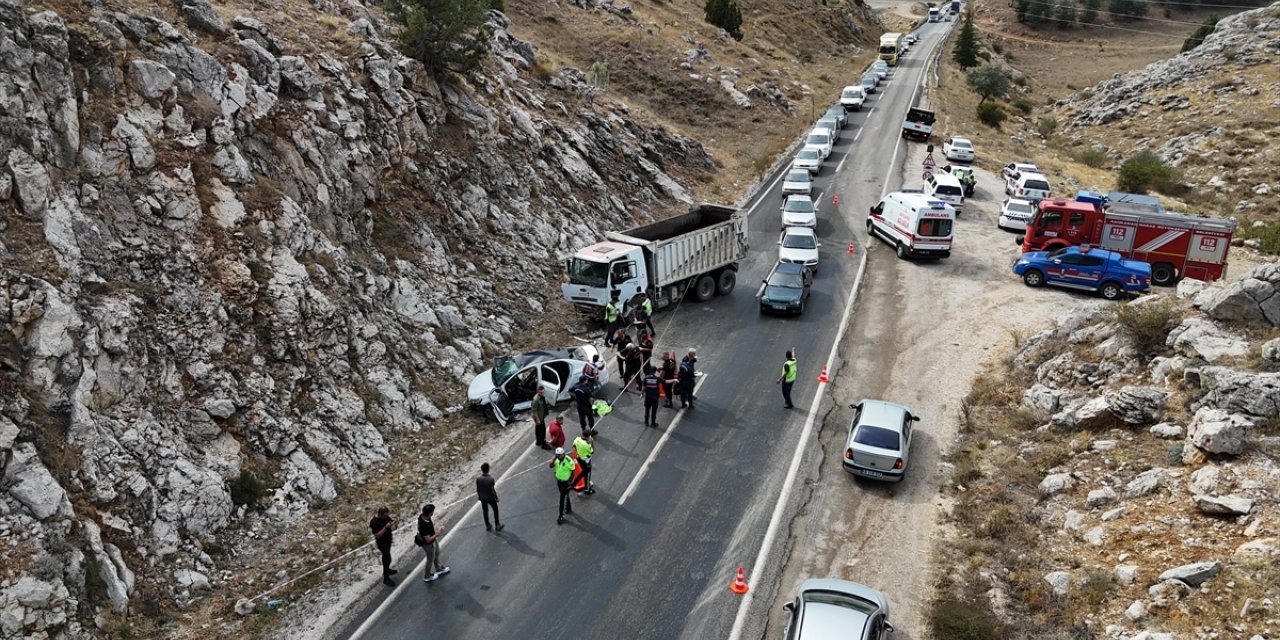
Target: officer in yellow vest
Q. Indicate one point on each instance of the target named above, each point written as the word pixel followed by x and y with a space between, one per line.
pixel 610 320
pixel 563 466
pixel 788 377
pixel 583 447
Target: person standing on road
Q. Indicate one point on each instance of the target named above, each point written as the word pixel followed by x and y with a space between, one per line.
pixel 382 526
pixel 429 539
pixel 646 347
pixel 583 396
pixel 540 418
pixel 555 432
pixel 487 494
pixel 563 466
pixel 635 360
pixel 788 377
pixel 669 377
pixel 652 384
pixel 688 373
pixel 610 319
pixel 582 445
pixel 646 307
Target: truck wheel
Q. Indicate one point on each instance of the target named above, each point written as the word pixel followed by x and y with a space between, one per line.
pixel 1033 278
pixel 726 281
pixel 902 251
pixel 1111 291
pixel 1163 274
pixel 704 289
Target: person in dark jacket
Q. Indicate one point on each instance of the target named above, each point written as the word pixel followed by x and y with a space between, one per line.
pixel 487 494
pixel 429 536
pixel 688 373
pixel 540 410
pixel 652 383
pixel 635 361
pixel 382 526
pixel 669 373
pixel 583 396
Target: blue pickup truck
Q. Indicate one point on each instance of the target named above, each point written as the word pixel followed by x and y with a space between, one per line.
pixel 1098 270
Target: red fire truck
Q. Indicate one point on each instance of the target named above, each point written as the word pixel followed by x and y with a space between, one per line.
pixel 1174 244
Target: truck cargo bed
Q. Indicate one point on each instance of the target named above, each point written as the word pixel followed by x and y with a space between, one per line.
pixel 705 239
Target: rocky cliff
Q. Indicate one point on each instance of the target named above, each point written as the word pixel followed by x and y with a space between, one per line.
pixel 239 250
pixel 1207 111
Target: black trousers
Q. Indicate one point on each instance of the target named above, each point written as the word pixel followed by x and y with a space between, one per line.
pixel 650 410
pixel 586 473
pixel 386 560
pixel 485 505
pixel 565 486
pixel 669 389
pixel 539 432
pixel 686 392
pixel 786 392
pixel 587 417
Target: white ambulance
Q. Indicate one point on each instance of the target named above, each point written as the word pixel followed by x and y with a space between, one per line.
pixel 914 224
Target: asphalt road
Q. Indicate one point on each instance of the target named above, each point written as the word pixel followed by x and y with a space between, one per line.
pixel 658 564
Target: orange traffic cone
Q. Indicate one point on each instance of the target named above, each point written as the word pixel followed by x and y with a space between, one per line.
pixel 739 584
pixel 822 377
pixel 850 248
pixel 662 391
pixel 836 199
pixel 579 478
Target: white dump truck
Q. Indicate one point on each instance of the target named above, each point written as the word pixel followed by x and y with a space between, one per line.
pixel 695 252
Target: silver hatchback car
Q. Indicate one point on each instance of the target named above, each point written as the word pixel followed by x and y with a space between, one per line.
pixel 829 608
pixel 879 442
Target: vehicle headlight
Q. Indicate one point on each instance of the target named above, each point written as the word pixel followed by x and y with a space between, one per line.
pixel 1022 261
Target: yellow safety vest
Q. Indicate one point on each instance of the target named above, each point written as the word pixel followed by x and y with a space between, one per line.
pixel 789 370
pixel 610 312
pixel 648 307
pixel 583 448
pixel 564 468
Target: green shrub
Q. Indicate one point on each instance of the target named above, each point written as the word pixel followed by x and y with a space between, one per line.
pixel 989 81
pixel 990 114
pixel 1145 170
pixel 1092 158
pixel 1147 325
pixel 1267 234
pixel 247 489
pixel 1047 126
pixel 1200 33
pixel 1024 105
pixel 446 36
pixel 726 15
pixel 955 620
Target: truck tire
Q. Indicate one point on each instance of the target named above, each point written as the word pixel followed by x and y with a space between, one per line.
pixel 1111 290
pixel 726 281
pixel 1163 274
pixel 704 288
pixel 1033 278
pixel 902 251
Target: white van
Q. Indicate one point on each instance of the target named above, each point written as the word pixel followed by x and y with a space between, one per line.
pixel 852 98
pixel 1028 186
pixel 914 224
pixel 944 186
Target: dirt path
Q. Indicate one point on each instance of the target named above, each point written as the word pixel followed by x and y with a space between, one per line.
pixel 922 333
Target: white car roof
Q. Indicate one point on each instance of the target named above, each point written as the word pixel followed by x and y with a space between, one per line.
pixel 964 140
pixel 943 177
pixel 799 231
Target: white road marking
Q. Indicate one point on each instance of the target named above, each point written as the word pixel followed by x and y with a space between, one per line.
pixel 846 156
pixel 653 455
pixel 764 192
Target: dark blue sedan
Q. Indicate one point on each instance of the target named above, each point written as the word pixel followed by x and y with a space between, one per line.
pixel 1105 272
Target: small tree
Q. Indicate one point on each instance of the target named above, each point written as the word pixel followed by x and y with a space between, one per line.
pixel 1127 9
pixel 447 36
pixel 1021 8
pixel 966 50
pixel 1039 12
pixel 1089 11
pixel 989 80
pixel 990 114
pixel 1201 33
pixel 726 15
pixel 1064 14
pixel 1145 170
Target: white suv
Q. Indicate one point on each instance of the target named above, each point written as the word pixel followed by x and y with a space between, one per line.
pixel 946 188
pixel 852 98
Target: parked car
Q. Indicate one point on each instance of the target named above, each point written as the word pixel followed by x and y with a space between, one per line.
pixel 821 139
pixel 830 122
pixel 826 608
pixel 966 177
pixel 879 442
pixel 958 149
pixel 1032 187
pixel 786 289
pixel 1016 167
pixel 852 97
pixel 1085 268
pixel 868 81
pixel 797 181
pixel 799 245
pixel 836 111
pixel 808 159
pixel 799 211
pixel 1015 213
pixel 881 68
pixel 510 385
pixel 945 187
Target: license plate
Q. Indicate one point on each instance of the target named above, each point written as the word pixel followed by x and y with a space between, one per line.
pixel 779 307
pixel 871 474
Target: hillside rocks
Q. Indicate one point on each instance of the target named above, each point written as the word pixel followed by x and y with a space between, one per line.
pixel 1216 431
pixel 1193 575
pixel 228 250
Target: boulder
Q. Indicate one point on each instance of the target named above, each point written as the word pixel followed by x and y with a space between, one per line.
pixel 190 579
pixel 1113 514
pixel 1056 483
pixel 1270 352
pixel 1235 391
pixel 1094 414
pixel 199 15
pixel 1126 574
pixel 1101 497
pixel 1259 549
pixel 150 78
pixel 1042 398
pixel 1060 581
pixel 1190 288
pixel 1145 483
pixel 8 434
pixel 1167 431
pixel 245 606
pixel 1251 299
pixel 1073 521
pixel 1137 405
pixel 31 184
pixel 33 593
pixel 1198 337
pixel 1223 505
pixel 1166 591
pixel 1136 611
pixel 1216 431
pixel 1194 574
pixel 1095 536
pixel 297 79
pixel 31 484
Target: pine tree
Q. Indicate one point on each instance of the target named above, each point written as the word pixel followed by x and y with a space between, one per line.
pixel 1064 14
pixel 965 52
pixel 1200 34
pixel 445 35
pixel 726 15
pixel 1089 11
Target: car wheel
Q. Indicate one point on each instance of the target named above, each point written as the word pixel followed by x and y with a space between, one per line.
pixel 1033 278
pixel 704 289
pixel 1163 274
pixel 725 283
pixel 902 251
pixel 1111 291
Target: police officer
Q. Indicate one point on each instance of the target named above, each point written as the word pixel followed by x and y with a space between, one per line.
pixel 646 306
pixel 669 376
pixel 563 466
pixel 583 396
pixel 652 382
pixel 688 373
pixel 635 362
pixel 646 346
pixel 788 377
pixel 583 447
pixel 610 319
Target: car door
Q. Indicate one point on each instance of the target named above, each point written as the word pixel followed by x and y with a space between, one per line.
pixel 1090 270
pixel 1061 269
pixel 624 278
pixel 1075 229
pixel 519 390
pixel 553 382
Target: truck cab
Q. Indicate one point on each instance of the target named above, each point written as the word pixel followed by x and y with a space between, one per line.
pixel 601 269
pixel 1058 224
